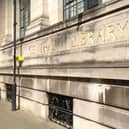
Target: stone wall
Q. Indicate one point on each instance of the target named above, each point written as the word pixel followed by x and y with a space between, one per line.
pixel 85 58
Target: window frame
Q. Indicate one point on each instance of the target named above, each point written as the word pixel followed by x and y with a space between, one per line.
pixel 25 16
pixel 63 106
pixel 84 7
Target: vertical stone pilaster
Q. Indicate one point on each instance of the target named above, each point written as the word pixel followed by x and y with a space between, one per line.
pixel 2 21
pixel 3 95
pixel 36 9
pixel 55 11
pixel 39 16
pixel 8 21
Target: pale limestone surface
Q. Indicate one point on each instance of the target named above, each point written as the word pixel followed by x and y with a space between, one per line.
pixel 3 91
pixel 107 115
pixel 37 109
pixel 85 124
pixel 55 11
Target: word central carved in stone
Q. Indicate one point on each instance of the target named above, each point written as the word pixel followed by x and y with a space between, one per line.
pixel 88 35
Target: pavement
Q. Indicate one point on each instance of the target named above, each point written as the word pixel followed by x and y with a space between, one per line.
pixel 22 119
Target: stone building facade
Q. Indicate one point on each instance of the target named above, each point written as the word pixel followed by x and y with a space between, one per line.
pixel 76 67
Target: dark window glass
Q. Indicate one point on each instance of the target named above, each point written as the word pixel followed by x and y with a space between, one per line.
pixel 75 7
pixel 60 109
pixel 24 16
pixel 9 92
pixel 92 3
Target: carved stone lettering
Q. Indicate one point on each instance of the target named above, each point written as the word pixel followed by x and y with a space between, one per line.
pixel 107 33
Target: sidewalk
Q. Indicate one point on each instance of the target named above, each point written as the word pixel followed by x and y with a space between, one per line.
pixel 22 119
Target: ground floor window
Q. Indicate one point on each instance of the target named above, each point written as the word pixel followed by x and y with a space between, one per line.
pixel 9 92
pixel 61 109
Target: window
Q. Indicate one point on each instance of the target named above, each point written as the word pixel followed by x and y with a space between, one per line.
pixel 60 109
pixel 92 3
pixel 9 92
pixel 24 16
pixel 75 7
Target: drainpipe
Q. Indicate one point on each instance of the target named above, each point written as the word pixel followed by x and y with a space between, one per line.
pixel 14 58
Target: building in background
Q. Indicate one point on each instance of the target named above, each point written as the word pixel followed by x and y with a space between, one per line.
pixel 76 67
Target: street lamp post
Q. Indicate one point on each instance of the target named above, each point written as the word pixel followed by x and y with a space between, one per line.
pixel 14 58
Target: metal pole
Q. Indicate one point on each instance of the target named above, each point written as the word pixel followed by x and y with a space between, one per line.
pixel 14 59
